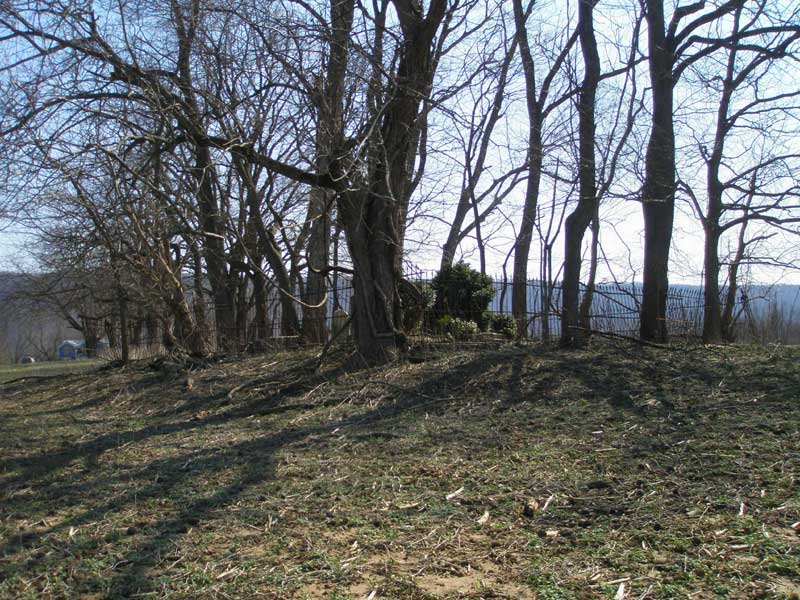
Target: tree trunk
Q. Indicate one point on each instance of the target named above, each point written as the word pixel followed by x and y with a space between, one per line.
pixel 374 218
pixel 712 310
pixel 315 307
pixel 136 330
pixel 198 297
pixel 522 246
pixel 658 191
pixel 125 353
pixel 188 336
pixel 585 313
pixel 214 252
pixel 375 319
pixel 111 333
pixel 90 336
pixel 536 104
pixel 586 210
pixel 261 320
pixel 728 318
pixel 713 329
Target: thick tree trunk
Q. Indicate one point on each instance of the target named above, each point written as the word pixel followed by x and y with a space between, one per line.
pixel 658 192
pixel 658 217
pixel 374 313
pixel 111 333
pixel 90 336
pixel 186 334
pixel 586 210
pixel 374 218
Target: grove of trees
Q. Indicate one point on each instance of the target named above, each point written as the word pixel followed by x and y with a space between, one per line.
pixel 183 162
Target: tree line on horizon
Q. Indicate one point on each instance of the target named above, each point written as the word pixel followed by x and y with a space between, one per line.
pixel 176 154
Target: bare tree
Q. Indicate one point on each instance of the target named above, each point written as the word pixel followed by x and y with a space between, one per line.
pixel 759 187
pixel 672 49
pixel 538 107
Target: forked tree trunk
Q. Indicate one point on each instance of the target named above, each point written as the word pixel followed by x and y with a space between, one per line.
pixel 468 197
pixel 329 101
pixel 214 252
pixel 522 246
pixel 728 318
pixel 374 218
pixel 374 314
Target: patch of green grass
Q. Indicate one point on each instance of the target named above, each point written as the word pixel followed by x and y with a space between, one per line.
pixel 47 369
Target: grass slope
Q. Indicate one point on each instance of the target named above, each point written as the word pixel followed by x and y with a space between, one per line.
pixel 615 471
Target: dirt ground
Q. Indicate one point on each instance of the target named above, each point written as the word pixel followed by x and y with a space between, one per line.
pixel 617 471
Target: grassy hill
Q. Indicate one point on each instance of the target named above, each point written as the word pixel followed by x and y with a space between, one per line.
pixel 618 471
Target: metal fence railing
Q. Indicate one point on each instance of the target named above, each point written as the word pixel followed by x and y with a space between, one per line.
pixel 614 309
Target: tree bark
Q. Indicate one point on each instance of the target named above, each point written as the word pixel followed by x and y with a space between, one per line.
pixel 374 218
pixel 122 299
pixel 522 247
pixel 586 210
pixel 585 312
pixel 658 191
pixel 330 125
pixel 535 101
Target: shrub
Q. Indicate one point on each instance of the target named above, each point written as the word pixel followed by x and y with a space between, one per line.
pixel 504 324
pixel 463 293
pixel 458 328
pixel 416 299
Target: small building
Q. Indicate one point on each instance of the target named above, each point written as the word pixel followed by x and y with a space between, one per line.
pixel 71 350
pixel 75 349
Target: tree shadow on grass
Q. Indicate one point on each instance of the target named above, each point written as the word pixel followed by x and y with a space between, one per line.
pixel 609 377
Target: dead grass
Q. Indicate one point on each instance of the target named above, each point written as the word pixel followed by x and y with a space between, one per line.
pixel 614 471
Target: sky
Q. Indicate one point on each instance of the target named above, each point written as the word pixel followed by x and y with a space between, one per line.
pixel 621 231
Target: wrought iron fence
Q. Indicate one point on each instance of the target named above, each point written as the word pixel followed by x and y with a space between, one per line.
pixel 614 309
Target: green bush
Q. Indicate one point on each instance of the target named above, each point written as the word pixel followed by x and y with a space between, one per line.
pixel 504 324
pixel 459 329
pixel 463 293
